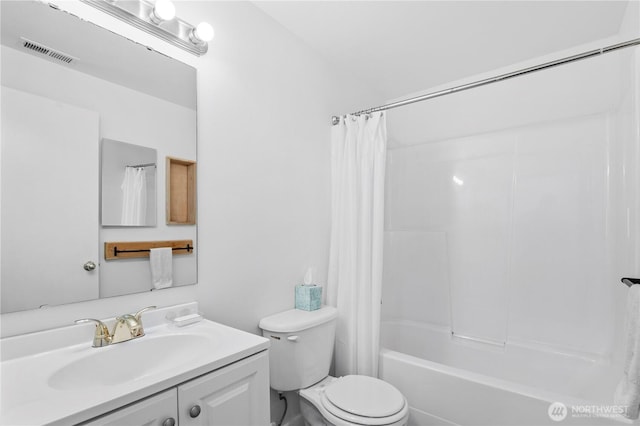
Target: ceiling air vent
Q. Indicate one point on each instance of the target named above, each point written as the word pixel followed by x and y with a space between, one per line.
pixel 44 50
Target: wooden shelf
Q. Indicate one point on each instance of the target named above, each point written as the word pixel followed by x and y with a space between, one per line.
pixel 133 249
pixel 181 192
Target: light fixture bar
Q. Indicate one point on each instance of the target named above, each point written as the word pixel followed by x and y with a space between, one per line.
pixel 138 14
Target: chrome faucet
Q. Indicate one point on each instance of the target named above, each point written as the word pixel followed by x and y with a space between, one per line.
pixel 127 327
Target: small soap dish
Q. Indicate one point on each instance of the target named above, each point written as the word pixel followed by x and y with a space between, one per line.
pixel 182 319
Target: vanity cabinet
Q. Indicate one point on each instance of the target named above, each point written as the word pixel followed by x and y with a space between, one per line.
pixel 237 394
pixel 157 410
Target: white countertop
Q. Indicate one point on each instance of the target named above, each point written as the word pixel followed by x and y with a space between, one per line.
pixel 30 361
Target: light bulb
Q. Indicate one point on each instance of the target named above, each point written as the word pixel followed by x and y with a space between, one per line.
pixel 163 10
pixel 202 33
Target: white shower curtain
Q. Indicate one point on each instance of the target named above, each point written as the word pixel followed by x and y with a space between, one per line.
pixel 358 157
pixel 134 196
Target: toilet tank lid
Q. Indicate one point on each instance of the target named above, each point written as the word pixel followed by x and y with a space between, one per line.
pixel 295 320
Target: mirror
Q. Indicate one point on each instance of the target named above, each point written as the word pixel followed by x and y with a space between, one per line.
pixel 128 184
pixel 67 84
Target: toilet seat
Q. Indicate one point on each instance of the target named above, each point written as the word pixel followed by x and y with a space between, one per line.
pixel 364 400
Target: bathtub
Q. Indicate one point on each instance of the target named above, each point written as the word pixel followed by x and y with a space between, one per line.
pixel 456 381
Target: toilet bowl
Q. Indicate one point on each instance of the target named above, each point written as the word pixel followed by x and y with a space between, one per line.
pixel 353 400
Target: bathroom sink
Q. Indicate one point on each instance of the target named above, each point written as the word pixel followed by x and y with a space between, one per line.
pixel 56 377
pixel 127 361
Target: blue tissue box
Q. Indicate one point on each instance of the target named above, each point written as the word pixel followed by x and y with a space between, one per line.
pixel 308 297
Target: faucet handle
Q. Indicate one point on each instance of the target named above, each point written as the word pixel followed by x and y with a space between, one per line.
pixel 102 336
pixel 148 308
pixel 98 323
pixel 135 322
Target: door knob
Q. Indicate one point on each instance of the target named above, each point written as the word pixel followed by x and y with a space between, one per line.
pixel 89 265
pixel 169 422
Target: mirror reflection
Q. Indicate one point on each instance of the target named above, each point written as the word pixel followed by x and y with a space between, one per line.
pixel 128 184
pixel 66 85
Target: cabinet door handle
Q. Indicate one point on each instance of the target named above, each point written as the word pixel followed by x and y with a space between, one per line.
pixel 169 422
pixel 194 411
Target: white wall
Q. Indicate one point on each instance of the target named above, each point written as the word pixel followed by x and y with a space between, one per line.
pixel 264 145
pixel 504 208
pixel 630 26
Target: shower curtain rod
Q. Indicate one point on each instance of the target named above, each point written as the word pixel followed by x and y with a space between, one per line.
pixel 142 165
pixel 502 77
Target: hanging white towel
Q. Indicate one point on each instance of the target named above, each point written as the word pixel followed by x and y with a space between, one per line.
pixel 160 260
pixel 628 391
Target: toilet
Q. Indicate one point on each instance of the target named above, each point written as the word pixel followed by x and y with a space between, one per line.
pixel 299 360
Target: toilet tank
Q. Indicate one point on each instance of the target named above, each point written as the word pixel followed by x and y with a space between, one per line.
pixel 301 346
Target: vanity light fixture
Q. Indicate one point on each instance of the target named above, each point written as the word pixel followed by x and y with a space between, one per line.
pixel 158 18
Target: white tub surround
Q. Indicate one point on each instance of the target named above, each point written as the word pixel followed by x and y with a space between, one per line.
pixel 511 216
pixel 57 377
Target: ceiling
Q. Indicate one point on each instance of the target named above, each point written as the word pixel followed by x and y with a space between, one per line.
pixel 403 47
